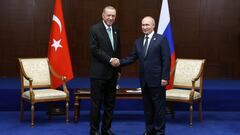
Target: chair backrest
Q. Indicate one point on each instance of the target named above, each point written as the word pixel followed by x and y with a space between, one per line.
pixel 37 69
pixel 186 70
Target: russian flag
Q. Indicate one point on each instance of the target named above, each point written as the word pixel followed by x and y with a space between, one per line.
pixel 164 28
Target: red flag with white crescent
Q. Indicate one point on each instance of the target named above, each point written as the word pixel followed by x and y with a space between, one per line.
pixel 58 52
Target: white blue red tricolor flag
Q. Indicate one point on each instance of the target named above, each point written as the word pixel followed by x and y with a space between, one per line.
pixel 164 28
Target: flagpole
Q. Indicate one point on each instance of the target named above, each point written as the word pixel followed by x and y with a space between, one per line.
pixel 164 28
pixel 58 54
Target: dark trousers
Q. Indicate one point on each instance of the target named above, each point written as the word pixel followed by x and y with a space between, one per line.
pixel 102 92
pixel 154 99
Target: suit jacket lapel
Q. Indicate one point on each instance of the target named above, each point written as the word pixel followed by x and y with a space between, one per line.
pixel 151 44
pixel 105 34
pixel 114 37
pixel 141 47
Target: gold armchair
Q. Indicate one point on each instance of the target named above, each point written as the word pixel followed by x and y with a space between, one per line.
pixel 35 74
pixel 187 84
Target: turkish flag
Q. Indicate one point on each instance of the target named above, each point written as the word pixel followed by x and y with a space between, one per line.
pixel 58 52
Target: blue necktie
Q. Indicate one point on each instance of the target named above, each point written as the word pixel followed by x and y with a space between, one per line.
pixel 109 31
pixel 145 46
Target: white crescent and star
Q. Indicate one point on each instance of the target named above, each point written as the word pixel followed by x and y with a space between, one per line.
pixel 56 43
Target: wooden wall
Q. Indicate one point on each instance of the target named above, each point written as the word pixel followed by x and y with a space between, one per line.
pixel 207 29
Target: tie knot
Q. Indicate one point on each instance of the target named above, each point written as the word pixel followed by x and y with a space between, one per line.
pixel 146 37
pixel 109 28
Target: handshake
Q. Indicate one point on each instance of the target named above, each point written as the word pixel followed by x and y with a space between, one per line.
pixel 115 62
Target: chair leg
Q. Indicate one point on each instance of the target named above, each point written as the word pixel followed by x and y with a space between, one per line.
pixel 67 109
pixel 32 115
pixel 21 109
pixel 191 114
pixel 200 110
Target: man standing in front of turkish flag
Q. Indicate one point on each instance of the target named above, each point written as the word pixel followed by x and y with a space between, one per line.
pixel 104 44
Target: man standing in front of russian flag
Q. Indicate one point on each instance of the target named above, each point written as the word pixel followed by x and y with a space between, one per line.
pixel 152 51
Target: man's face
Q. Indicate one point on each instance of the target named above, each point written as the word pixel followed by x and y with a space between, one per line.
pixel 147 25
pixel 109 16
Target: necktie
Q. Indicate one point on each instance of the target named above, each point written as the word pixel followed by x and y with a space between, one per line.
pixel 145 46
pixel 109 31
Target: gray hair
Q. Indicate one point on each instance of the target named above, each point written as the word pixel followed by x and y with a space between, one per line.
pixel 108 7
pixel 149 17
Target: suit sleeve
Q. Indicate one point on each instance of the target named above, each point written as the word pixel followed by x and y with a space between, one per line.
pixel 118 50
pixel 96 51
pixel 131 58
pixel 166 59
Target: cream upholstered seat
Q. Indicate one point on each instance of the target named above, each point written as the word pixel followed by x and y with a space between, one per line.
pixel 182 94
pixel 187 84
pixel 35 74
pixel 45 94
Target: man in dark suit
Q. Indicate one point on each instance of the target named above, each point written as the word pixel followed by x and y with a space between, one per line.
pixel 104 46
pixel 153 54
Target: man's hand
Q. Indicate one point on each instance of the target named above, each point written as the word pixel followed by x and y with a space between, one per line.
pixel 164 82
pixel 115 62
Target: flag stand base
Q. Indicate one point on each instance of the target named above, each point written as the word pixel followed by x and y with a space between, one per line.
pixel 56 110
pixel 170 109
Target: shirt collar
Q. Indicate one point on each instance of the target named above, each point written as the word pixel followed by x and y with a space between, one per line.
pixel 150 35
pixel 106 26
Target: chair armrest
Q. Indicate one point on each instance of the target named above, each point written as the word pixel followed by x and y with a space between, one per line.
pixel 65 87
pixel 197 77
pixel 56 74
pixel 193 89
pixel 191 96
pixel 32 95
pixel 199 74
pixel 193 82
pixel 25 76
pixel 63 78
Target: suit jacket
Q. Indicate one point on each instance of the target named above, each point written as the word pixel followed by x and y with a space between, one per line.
pixel 155 66
pixel 101 51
